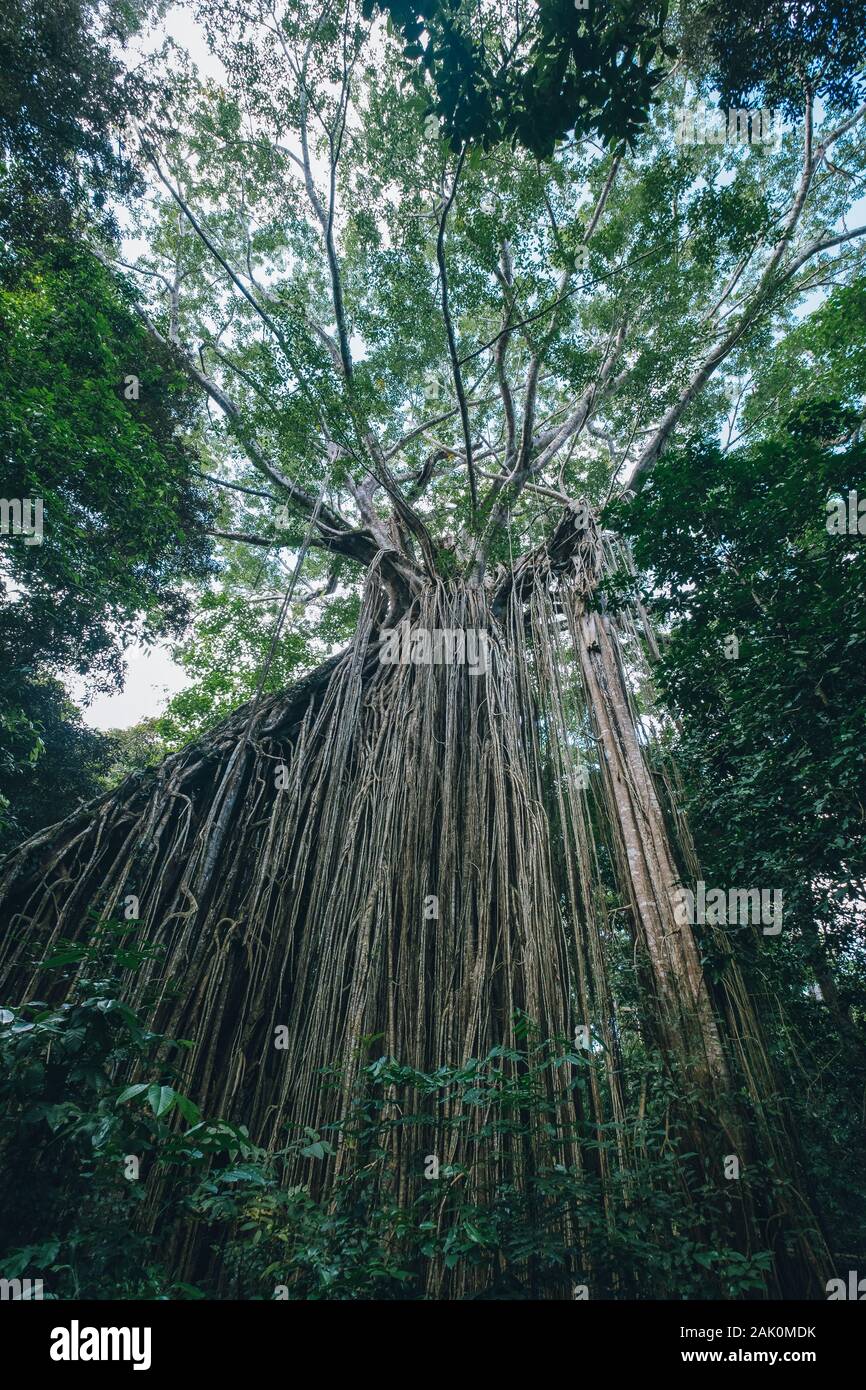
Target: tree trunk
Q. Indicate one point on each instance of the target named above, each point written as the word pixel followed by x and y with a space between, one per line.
pixel 401 854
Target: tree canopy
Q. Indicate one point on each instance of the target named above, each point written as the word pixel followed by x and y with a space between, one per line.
pixel 458 336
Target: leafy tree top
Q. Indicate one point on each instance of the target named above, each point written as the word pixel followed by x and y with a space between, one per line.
pixel 532 73
pixel 416 350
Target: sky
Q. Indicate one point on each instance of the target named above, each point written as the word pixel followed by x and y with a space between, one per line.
pixel 152 677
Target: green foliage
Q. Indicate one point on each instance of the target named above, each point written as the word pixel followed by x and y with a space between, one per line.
pixel 70 1117
pixel 124 520
pixel 769 51
pixel 736 545
pixel 231 638
pixel 50 761
pixel 64 92
pixel 822 358
pixel 131 750
pixel 562 69
pixel 61 1117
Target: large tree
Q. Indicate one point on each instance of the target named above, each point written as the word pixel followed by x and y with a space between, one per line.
pixel 429 366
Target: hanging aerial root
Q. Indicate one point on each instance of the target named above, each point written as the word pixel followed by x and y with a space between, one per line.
pixel 408 852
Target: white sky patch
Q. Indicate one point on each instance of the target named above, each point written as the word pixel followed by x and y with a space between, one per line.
pixel 152 678
pixel 181 25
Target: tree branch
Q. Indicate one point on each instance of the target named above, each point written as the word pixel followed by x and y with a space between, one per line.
pixel 452 341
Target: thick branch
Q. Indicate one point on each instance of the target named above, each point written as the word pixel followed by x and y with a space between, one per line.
pixel 769 281
pixel 452 341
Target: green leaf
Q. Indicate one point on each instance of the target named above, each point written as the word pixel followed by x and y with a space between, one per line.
pixel 131 1092
pixel 161 1099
